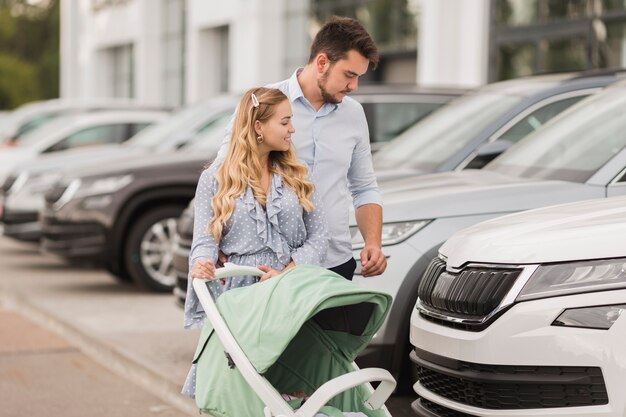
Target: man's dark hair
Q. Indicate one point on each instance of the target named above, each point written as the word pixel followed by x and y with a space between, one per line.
pixel 340 35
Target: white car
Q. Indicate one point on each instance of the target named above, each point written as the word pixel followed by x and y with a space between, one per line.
pixel 34 115
pixel 521 316
pixel 70 132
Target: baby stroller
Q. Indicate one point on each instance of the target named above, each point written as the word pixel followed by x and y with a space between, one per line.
pixel 297 332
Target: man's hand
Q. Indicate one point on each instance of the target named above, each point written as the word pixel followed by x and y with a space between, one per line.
pixel 373 261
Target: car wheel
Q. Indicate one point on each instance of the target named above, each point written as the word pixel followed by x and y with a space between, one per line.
pixel 150 248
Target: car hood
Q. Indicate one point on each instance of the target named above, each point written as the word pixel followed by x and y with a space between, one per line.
pixel 148 165
pixel 11 158
pixel 385 175
pixel 592 229
pixel 474 192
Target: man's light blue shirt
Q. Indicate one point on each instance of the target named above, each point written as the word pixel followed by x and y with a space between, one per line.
pixel 334 143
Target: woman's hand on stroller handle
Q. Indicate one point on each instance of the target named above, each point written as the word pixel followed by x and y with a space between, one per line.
pixel 203 269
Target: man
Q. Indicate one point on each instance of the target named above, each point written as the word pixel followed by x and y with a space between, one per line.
pixel 332 138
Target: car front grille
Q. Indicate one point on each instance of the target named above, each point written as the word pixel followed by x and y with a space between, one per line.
pixel 510 387
pixel 473 293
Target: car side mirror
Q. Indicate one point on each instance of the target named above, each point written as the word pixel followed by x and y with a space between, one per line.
pixel 488 152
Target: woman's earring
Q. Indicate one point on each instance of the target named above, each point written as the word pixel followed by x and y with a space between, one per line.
pixel 259 139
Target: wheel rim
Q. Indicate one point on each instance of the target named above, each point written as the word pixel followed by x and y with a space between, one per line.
pixel 157 252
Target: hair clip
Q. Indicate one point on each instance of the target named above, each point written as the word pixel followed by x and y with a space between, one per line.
pixel 255 101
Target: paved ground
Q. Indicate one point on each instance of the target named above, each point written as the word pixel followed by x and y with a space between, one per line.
pixel 42 374
pixel 137 337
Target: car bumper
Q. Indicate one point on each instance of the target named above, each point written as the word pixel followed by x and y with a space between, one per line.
pixel 523 337
pixel 21 225
pixel 73 240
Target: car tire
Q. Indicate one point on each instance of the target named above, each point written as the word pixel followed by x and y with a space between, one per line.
pixel 149 249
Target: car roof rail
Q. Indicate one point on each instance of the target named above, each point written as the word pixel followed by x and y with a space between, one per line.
pixel 600 72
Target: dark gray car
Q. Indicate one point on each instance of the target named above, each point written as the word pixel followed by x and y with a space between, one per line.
pixel 124 216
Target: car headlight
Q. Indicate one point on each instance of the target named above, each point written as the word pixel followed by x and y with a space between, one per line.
pixel 392 233
pixel 575 278
pixel 101 186
pixel 596 317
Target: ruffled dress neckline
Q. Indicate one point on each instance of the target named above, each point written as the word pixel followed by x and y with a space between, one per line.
pixel 266 219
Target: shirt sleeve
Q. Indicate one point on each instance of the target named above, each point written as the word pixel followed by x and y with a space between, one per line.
pixel 204 246
pixel 361 179
pixel 313 250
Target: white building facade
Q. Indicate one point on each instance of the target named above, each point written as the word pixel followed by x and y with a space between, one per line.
pixel 176 52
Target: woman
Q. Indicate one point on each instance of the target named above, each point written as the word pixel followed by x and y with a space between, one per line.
pixel 256 206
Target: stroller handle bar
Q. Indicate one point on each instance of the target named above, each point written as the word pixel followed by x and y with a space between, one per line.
pixel 232 270
pixel 342 383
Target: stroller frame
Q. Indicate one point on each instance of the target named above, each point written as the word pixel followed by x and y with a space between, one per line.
pixel 275 405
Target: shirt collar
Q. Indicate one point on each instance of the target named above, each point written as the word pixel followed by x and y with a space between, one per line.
pixel 295 91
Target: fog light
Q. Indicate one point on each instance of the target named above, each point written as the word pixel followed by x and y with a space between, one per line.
pixel 599 317
pixel 97 203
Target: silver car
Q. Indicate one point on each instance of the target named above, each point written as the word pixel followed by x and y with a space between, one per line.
pixel 579 155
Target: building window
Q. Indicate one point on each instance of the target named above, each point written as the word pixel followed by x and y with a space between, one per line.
pixel 174 51
pixel 122 71
pixel 391 23
pixel 537 36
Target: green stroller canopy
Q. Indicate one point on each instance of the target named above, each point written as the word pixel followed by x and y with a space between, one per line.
pixel 299 330
pixel 265 317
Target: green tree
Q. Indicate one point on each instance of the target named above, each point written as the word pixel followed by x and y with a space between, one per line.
pixel 29 51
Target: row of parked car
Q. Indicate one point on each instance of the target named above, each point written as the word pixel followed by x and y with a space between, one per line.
pixel 121 205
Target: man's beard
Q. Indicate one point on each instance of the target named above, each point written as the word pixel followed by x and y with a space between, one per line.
pixel 328 98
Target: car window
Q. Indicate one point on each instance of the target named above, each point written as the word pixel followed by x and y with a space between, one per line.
pixel 165 134
pixel 538 118
pixel 136 128
pixel 35 123
pixel 572 148
pixel 388 120
pixel 432 141
pixel 96 135
pixel 211 136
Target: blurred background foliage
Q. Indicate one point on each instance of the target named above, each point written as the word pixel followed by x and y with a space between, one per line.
pixel 29 51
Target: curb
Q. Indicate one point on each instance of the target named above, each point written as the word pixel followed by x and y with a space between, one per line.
pixel 104 354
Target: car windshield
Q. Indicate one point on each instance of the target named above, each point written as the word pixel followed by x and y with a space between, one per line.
pixel 436 138
pixel 574 145
pixel 210 138
pixel 34 136
pixel 35 123
pixel 167 134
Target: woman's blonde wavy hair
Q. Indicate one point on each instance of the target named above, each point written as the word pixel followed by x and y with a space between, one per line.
pixel 242 166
